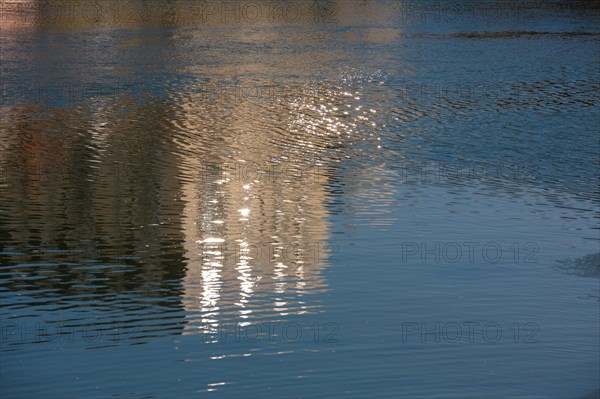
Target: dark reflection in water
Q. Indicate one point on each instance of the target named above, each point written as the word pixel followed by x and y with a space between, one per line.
pixel 171 167
pixel 588 266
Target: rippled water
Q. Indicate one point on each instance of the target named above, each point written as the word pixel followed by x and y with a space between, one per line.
pixel 298 199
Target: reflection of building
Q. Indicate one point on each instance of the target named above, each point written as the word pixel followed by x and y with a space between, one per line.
pixel 229 200
pixel 255 221
pixel 216 203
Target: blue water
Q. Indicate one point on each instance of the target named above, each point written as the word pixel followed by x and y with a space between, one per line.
pixel 329 199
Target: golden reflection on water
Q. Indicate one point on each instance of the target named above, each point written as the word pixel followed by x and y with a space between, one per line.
pixel 256 227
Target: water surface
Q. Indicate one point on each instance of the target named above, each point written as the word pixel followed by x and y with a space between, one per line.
pixel 360 199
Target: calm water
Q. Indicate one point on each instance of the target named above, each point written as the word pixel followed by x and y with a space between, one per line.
pixel 298 199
